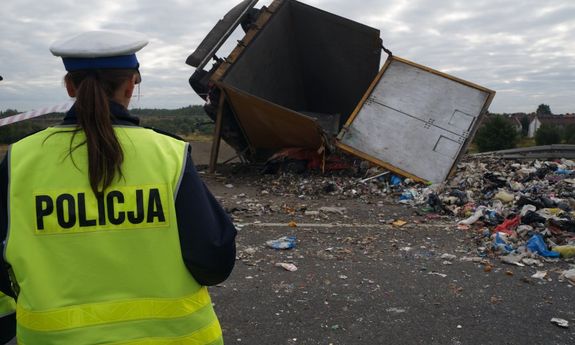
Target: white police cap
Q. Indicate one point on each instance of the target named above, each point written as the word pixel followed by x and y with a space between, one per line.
pixel 102 49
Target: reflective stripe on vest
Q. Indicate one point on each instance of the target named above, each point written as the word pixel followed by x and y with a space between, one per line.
pixel 7 305
pixel 116 311
pixel 102 270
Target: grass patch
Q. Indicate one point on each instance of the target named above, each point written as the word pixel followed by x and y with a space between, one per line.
pixel 526 142
pixel 198 137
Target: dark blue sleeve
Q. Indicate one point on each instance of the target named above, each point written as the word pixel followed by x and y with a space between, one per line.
pixel 207 235
pixel 5 285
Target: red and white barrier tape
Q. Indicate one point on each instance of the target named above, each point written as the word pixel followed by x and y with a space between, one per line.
pixel 35 113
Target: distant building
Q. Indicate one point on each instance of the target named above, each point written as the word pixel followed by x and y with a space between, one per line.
pixel 535 121
pixel 516 120
pixel 561 121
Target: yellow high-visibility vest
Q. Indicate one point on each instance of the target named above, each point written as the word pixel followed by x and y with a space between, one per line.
pixel 103 270
pixel 7 305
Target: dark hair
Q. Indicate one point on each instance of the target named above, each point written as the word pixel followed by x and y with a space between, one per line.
pixel 94 90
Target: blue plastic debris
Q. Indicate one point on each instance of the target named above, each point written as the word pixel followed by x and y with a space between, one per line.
pixel 537 245
pixel 406 196
pixel 285 242
pixel 500 245
pixel 395 180
pixel 563 171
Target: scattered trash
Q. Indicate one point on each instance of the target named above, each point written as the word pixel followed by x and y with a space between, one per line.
pixel 396 310
pixel 513 259
pixel 569 275
pixel 379 175
pixel 448 257
pixel 292 224
pixel 475 259
pixel 408 196
pixel 335 210
pixel 504 196
pixel 287 266
pixel 532 262
pixel 508 226
pixel 500 244
pixel 399 223
pixel 475 217
pixel 495 300
pixel 395 180
pixel 544 275
pixel 532 231
pixel 537 245
pixel 565 251
pixel 250 250
pixel 560 322
pixel 286 242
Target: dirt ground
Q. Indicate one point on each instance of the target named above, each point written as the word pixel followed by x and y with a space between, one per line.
pixel 362 280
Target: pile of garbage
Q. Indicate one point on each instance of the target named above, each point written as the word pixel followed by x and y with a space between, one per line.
pixel 520 211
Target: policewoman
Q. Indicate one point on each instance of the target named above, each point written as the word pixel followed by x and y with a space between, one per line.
pixel 110 235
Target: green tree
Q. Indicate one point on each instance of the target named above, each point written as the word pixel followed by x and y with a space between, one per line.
pixel 498 133
pixel 524 126
pixel 544 109
pixel 569 135
pixel 8 112
pixel 548 135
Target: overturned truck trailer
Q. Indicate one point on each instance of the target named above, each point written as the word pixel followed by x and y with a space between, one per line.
pixel 303 77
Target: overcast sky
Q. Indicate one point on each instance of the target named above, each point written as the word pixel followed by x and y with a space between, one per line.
pixel 522 49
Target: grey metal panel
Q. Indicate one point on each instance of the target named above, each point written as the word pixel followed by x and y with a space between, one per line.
pixel 416 120
pixel 219 34
pixel 309 60
pixel 268 68
pixel 339 59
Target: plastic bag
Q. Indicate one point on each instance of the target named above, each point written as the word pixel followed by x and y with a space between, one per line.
pixel 537 245
pixel 286 242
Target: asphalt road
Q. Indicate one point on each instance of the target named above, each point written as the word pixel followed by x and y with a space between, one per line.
pixel 369 282
pixel 363 286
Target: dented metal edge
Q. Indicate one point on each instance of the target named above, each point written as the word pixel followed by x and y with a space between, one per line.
pixel 227 33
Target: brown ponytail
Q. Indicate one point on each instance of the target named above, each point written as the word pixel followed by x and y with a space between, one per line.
pixel 94 90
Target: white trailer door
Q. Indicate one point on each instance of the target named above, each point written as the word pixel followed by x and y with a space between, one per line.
pixel 415 121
